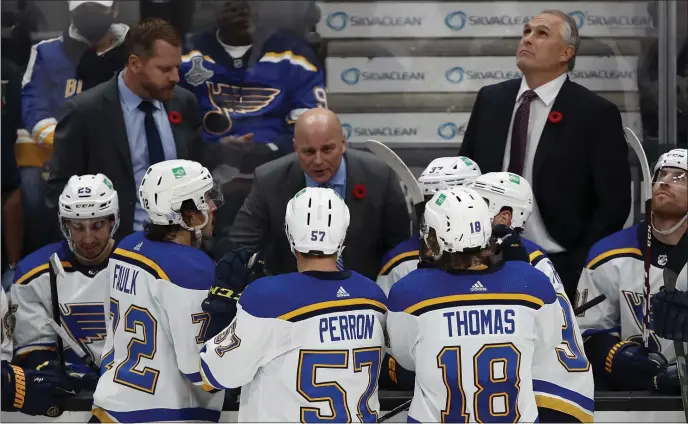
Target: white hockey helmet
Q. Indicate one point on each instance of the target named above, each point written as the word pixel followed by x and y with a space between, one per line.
pixel 460 218
pixel 676 158
pixel 166 185
pixel 504 189
pixel 443 173
pixel 88 197
pixel 316 221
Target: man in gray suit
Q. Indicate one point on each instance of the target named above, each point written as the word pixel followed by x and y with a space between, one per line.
pixel 121 127
pixel 379 216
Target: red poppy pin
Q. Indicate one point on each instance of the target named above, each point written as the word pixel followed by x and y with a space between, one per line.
pixel 555 117
pixel 359 191
pixel 175 117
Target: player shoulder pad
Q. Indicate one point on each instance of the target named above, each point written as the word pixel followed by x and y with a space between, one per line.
pixel 407 250
pixel 428 289
pixel 624 243
pixel 283 47
pixel 37 263
pixel 183 266
pixel 535 252
pixel 296 296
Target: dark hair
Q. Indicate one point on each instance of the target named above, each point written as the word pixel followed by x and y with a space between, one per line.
pixel 140 40
pixel 156 232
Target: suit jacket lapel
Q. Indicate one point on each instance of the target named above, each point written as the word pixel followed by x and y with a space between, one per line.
pixel 552 132
pixel 173 106
pixel 502 121
pixel 118 129
pixel 294 180
pixel 357 211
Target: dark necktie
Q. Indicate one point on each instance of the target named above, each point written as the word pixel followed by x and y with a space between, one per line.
pixel 340 259
pixel 519 133
pixel 155 151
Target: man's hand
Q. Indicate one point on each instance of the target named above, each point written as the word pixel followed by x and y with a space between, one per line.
pixel 632 366
pixel 670 314
pixel 236 270
pixel 509 243
pixel 34 392
pixel 80 379
pixel 246 138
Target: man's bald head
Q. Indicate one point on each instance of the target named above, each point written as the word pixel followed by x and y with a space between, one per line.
pixel 319 143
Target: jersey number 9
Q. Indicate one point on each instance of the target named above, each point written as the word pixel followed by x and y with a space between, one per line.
pixel 496 378
pixel 331 391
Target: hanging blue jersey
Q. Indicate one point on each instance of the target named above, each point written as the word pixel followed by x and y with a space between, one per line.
pixel 264 99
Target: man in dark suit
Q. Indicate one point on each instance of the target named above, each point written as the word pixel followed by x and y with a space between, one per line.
pixel 121 127
pixel 379 217
pixel 565 140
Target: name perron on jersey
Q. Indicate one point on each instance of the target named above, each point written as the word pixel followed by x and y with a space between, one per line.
pixel 473 339
pixel 305 347
pixel 155 330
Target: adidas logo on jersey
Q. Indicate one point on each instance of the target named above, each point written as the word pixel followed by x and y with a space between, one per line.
pixel 478 286
pixel 138 246
pixel 342 293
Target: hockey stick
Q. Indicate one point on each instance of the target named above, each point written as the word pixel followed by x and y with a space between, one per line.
pixel 634 142
pixel 405 175
pixel 579 310
pixel 56 270
pixel 73 345
pixel 672 269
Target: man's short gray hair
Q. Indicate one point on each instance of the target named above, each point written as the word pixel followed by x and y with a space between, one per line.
pixel 569 32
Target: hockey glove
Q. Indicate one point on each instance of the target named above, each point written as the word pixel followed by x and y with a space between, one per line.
pixel 33 392
pixel 667 381
pixel 233 273
pixel 81 378
pixel 509 243
pixel 670 315
pixel 632 366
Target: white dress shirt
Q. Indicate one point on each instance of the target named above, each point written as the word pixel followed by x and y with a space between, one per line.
pixel 540 108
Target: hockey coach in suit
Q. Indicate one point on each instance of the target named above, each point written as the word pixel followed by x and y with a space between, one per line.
pixel 371 190
pixel 122 126
pixel 564 139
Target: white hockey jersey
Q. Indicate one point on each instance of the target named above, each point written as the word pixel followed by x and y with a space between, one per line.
pixel 473 338
pixel 615 268
pixel 7 316
pixel 398 262
pixel 564 381
pixel 80 292
pixel 156 328
pixel 305 347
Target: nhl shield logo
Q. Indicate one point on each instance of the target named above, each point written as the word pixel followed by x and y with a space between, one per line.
pixel 662 260
pixel 198 74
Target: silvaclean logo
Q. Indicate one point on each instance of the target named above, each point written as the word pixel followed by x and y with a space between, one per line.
pixel 455 75
pixel 579 17
pixel 337 21
pixel 447 131
pixel 456 20
pixel 347 130
pixel 351 76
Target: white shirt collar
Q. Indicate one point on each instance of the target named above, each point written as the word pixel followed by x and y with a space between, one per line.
pixel 546 92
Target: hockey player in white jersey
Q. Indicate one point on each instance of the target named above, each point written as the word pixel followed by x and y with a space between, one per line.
pixel 613 330
pixel 472 331
pixel 89 217
pixel 441 173
pixel 305 346
pixel 564 386
pixel 158 279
